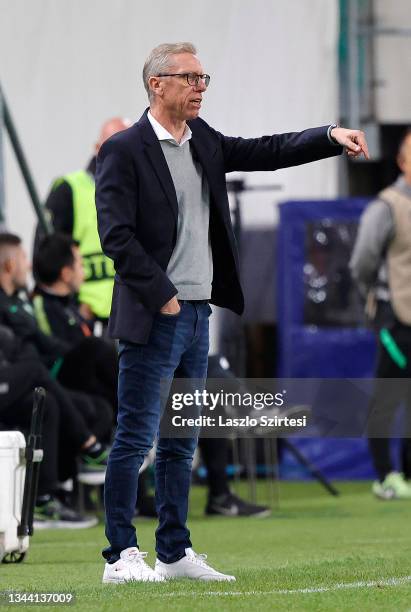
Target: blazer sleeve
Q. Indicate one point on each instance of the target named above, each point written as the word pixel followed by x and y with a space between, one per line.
pixel 277 151
pixel 117 205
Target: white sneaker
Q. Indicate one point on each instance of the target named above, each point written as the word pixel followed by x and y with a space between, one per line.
pixel 191 566
pixel 131 567
pixel 394 486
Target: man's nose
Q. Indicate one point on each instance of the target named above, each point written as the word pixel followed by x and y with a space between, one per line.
pixel 201 86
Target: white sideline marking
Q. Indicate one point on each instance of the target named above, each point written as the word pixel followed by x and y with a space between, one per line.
pixel 350 585
pixel 335 587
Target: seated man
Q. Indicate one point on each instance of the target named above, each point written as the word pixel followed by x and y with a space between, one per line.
pixel 19 375
pixel 90 364
pixel 17 314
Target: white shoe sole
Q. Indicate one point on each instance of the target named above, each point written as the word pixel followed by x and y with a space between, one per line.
pixel 92 478
pixel 202 578
pixel 65 524
pixel 113 581
pixel 168 578
pixel 224 512
pixel 124 581
pixel 390 496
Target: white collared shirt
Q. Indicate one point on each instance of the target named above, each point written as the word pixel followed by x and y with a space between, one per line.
pixel 163 134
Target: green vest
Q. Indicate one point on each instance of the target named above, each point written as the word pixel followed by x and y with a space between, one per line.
pixel 97 288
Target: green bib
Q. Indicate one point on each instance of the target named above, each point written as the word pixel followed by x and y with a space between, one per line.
pixel 97 288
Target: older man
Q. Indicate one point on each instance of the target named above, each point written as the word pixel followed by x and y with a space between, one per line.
pixel 164 219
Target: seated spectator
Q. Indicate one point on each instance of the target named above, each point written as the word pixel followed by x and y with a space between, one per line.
pixel 91 363
pixel 63 432
pixel 93 417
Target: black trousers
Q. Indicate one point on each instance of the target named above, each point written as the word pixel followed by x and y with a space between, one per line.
pixel 92 367
pixel 65 427
pixel 96 415
pixel 388 396
pixel 15 412
pixel 214 452
pixel 96 412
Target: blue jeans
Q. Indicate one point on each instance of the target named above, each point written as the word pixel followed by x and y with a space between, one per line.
pixel 178 345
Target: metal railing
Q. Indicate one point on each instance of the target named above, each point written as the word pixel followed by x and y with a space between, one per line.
pixel 7 124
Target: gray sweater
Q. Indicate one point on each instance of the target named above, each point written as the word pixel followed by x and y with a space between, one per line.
pixel 375 231
pixel 190 268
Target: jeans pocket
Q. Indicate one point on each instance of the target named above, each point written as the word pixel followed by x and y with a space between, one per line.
pixel 170 315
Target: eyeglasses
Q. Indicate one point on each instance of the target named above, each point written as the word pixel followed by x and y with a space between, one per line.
pixel 193 79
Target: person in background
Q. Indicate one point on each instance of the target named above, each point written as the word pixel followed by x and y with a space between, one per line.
pixel 61 430
pixel 59 275
pixel 381 265
pixel 72 211
pixel 94 414
pixel 221 499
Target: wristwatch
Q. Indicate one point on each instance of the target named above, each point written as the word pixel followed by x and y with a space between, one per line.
pixel 330 138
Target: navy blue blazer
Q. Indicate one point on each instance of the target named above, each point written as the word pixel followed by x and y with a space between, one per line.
pixel 137 212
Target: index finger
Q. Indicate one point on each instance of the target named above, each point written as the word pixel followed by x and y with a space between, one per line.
pixel 351 143
pixel 363 144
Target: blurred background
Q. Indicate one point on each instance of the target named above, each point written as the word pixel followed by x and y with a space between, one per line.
pixel 65 67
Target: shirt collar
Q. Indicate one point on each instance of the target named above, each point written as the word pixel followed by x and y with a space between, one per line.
pixel 163 134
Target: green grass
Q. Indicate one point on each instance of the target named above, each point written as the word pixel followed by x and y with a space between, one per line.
pixel 312 540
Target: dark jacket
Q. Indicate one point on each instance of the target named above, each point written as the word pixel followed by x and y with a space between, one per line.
pixel 63 317
pixel 137 212
pixel 18 315
pixel 9 348
pixel 13 349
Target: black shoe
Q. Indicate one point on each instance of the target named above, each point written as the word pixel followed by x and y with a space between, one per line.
pixel 230 505
pixel 52 514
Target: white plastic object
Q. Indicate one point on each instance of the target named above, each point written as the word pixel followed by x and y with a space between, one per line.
pixel 12 474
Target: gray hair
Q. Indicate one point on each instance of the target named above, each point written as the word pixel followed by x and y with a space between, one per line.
pixel 160 60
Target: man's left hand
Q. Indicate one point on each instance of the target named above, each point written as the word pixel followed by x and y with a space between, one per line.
pixel 352 140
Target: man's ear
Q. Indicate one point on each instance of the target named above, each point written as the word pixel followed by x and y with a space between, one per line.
pixel 65 274
pixel 400 162
pixel 8 265
pixel 156 85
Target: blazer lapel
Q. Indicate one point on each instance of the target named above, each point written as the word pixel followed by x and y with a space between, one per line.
pixel 158 161
pixel 204 149
pixel 205 155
